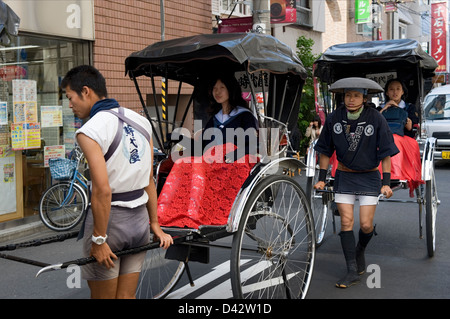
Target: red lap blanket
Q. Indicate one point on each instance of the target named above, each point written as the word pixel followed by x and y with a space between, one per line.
pixel 202 191
pixel 406 165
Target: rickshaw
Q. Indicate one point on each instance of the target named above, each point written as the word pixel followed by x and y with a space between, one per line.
pixel 270 221
pixel 380 61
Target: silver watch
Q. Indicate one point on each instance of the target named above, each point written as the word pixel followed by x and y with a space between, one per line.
pixel 99 240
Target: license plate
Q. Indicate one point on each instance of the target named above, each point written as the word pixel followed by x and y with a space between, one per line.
pixel 446 154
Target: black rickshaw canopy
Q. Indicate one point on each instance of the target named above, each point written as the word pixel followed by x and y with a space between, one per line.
pixel 335 61
pixel 179 59
pixel 403 58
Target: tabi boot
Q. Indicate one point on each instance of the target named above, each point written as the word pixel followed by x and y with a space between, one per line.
pixel 360 249
pixel 348 247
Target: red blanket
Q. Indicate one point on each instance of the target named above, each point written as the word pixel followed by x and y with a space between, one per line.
pixel 202 191
pixel 406 165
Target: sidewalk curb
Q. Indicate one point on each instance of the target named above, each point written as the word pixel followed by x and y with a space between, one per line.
pixel 10 231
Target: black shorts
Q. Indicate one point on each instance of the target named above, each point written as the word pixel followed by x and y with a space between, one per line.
pixel 361 183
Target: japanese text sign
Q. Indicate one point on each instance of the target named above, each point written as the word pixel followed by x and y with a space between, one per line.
pixel 439 37
pixel 362 11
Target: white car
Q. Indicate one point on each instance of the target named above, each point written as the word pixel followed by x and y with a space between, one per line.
pixel 436 120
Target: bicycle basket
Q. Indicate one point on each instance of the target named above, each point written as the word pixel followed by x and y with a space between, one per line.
pixel 62 168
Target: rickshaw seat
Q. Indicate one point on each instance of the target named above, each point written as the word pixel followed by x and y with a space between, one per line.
pixel 201 190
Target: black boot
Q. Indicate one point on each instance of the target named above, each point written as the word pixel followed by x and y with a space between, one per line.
pixel 348 247
pixel 360 249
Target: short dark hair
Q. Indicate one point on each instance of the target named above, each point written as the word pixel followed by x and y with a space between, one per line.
pixel 85 75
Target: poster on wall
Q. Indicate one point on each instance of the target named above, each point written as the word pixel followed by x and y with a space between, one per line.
pixel 17 136
pixel 8 185
pixel 283 11
pixel 25 129
pixel 54 151
pixel 25 111
pixel 51 116
pixel 3 113
pixel 24 90
pixel 25 136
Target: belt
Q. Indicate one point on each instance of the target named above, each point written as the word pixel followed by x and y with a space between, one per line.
pixel 344 168
pixel 127 196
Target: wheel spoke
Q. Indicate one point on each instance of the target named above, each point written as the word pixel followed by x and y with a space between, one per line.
pixel 279 227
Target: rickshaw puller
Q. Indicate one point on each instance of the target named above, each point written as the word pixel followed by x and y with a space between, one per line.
pixel 361 139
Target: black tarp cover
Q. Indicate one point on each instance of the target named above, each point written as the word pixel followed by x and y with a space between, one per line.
pixel 181 58
pixel 378 54
pixel 9 23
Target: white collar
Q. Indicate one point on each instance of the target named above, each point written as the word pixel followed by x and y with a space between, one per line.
pixel 222 118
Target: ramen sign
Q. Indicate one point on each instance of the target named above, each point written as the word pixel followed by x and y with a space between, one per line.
pixel 439 35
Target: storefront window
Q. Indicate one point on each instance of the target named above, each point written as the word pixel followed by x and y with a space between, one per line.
pixel 34 123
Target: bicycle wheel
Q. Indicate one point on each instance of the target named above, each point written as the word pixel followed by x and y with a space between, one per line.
pixel 60 208
pixel 274 248
pixel 159 275
pixel 431 203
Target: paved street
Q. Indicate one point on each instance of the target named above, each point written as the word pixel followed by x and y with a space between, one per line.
pixel 401 257
pixel 406 270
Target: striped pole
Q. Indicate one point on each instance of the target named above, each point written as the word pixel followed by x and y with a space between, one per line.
pixel 164 104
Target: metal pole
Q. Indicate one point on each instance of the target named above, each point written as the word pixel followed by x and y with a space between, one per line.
pixel 261 15
pixel 374 29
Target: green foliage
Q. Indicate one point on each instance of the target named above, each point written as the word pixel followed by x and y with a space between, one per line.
pixel 307 106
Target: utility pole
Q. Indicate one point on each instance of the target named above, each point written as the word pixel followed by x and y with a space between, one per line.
pixel 261 16
pixel 375 20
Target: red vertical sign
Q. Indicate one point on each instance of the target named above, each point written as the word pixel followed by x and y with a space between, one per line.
pixel 439 13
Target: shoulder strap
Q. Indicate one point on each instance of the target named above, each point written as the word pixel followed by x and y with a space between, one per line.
pixel 130 122
pixel 122 118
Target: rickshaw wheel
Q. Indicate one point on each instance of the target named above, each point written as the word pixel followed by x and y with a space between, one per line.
pixel 431 211
pixel 274 248
pixel 159 275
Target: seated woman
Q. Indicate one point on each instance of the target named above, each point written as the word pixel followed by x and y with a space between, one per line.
pixel 407 164
pixel 396 93
pixel 201 190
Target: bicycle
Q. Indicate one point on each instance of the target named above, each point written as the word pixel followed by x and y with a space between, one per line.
pixel 63 205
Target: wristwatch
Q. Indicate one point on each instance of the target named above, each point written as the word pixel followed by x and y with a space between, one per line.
pixel 99 240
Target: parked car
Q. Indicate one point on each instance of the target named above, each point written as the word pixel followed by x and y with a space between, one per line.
pixel 436 120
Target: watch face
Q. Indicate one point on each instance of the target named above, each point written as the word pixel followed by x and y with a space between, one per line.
pixel 99 240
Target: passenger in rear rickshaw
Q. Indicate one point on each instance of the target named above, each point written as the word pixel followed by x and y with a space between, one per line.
pixel 201 189
pixel 396 92
pixel 361 138
pixel 402 119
